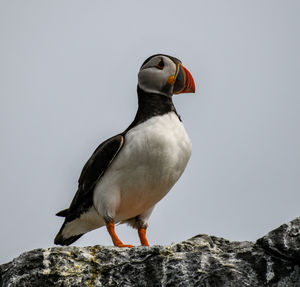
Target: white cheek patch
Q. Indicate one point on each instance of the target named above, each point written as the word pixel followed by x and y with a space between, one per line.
pixel 153 80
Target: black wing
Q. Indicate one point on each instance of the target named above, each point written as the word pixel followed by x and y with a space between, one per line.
pixel 92 171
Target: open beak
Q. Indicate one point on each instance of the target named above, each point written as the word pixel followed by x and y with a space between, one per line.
pixel 184 82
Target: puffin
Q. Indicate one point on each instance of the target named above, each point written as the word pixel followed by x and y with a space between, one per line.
pixel 132 171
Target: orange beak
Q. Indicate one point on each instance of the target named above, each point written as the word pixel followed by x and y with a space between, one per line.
pixel 184 82
pixel 189 84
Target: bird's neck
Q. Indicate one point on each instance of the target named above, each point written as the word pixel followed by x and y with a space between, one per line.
pixel 150 105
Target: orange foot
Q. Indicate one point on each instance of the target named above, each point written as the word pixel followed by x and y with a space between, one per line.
pixel 117 242
pixel 142 235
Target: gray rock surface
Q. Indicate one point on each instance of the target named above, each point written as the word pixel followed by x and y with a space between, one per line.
pixel 203 260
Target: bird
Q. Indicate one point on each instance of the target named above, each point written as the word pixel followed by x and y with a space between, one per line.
pixel 129 173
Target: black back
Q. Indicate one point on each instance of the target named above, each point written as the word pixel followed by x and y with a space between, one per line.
pixel 92 171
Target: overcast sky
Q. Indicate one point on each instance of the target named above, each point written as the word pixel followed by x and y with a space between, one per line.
pixel 68 75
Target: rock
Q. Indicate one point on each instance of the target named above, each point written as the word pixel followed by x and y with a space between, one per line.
pixel 203 260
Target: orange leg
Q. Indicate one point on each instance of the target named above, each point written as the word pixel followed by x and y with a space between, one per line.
pixel 142 235
pixel 111 230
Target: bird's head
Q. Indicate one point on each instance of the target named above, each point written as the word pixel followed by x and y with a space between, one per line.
pixel 165 75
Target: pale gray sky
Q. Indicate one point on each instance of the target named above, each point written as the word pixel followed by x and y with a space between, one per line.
pixel 68 75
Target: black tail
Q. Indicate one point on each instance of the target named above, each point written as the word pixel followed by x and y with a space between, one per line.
pixel 60 240
pixel 63 213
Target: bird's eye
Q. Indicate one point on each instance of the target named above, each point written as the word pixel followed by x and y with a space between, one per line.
pixel 160 65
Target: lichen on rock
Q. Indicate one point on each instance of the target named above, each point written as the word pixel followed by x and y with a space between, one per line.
pixel 203 260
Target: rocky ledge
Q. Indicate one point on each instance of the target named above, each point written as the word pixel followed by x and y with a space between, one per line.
pixel 203 260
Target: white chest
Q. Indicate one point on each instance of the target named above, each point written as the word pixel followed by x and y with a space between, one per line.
pixel 154 156
pixel 155 153
pixel 159 147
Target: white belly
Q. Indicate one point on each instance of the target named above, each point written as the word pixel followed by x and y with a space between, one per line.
pixel 154 156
